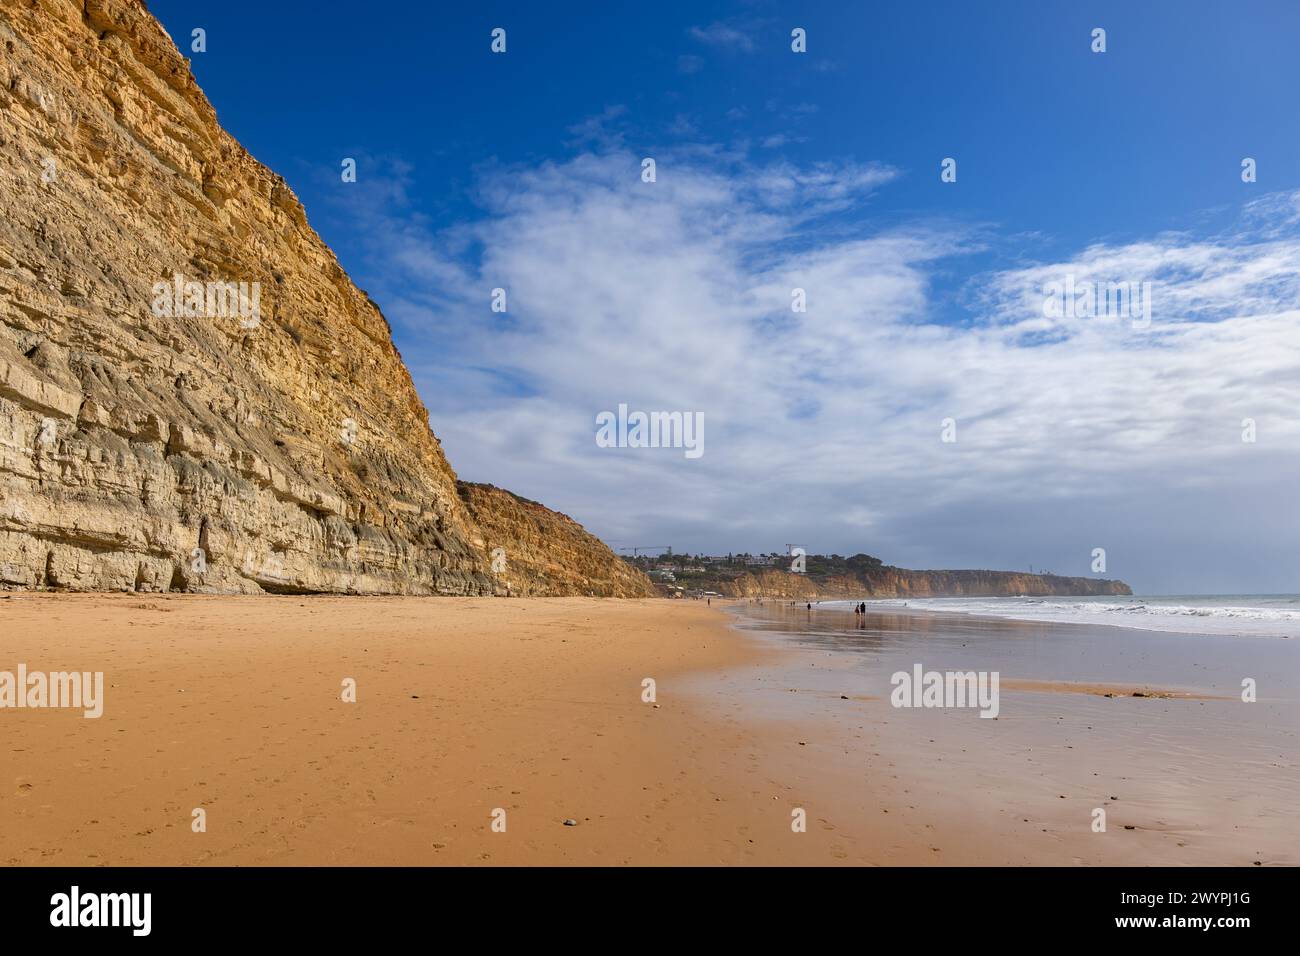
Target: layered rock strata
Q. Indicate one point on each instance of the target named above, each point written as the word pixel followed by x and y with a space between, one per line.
pixel 193 394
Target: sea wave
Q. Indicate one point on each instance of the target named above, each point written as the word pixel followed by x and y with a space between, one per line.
pixel 1267 617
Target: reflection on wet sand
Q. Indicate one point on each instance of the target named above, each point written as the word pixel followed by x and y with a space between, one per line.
pixel 1151 726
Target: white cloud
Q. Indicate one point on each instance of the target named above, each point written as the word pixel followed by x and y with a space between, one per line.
pixel 824 427
pixel 726 35
pixel 599 129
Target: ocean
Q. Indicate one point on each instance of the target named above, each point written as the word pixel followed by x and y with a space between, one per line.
pixel 1229 615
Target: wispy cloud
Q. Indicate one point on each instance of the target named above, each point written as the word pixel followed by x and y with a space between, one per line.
pixel 725 35
pixel 824 426
pixel 599 129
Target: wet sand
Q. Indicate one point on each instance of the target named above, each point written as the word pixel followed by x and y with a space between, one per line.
pixel 1147 726
pixel 466 706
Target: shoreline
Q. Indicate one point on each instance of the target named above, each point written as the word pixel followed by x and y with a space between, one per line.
pixel 876 606
pixel 1187 775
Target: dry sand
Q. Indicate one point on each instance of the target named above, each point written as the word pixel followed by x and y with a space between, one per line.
pixel 234 705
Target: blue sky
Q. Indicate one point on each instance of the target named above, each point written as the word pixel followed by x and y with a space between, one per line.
pixel 822 170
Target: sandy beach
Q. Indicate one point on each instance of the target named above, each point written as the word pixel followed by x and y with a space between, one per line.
pixel 464 707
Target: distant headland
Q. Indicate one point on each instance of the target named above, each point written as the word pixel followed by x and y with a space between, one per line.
pixel 808 576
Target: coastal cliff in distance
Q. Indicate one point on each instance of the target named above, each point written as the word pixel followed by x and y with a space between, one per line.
pixel 194 396
pixel 542 553
pixel 900 582
pixel 859 576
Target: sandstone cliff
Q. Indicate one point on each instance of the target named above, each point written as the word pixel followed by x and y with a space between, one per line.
pixel 193 394
pixel 899 582
pixel 887 582
pixel 543 552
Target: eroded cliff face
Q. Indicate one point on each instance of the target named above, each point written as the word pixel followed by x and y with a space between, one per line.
pixel 193 394
pixel 540 552
pixel 899 582
pixel 783 584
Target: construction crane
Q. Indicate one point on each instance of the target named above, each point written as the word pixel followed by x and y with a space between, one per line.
pixel 660 548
